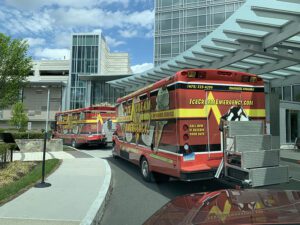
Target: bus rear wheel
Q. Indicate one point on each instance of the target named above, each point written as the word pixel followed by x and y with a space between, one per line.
pixel 74 144
pixel 144 168
pixel 160 178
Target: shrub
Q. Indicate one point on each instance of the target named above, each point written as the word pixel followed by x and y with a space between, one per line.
pixel 3 153
pixel 3 147
pixel 28 135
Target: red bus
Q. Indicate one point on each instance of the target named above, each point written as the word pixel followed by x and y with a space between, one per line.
pixel 91 125
pixel 171 128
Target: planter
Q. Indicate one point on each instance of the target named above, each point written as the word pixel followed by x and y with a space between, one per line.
pixel 37 145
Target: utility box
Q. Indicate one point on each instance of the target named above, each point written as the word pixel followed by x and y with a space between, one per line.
pixel 249 156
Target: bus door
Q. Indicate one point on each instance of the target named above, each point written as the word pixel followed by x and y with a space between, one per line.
pixel 209 118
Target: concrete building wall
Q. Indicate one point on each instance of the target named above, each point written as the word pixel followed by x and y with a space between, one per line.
pixel 118 63
pixel 88 87
pixel 52 74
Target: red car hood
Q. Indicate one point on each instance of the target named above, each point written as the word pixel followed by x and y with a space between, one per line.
pixel 251 206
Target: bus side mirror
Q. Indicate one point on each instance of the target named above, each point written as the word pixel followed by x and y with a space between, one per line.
pixel 152 146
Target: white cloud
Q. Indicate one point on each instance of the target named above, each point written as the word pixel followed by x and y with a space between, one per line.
pixel 19 22
pixel 35 41
pixel 52 53
pixel 99 31
pixel 128 33
pixel 149 34
pixel 144 18
pixel 36 4
pixel 141 67
pixel 62 39
pixel 103 19
pixel 113 42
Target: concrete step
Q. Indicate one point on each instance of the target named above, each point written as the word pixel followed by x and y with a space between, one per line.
pixel 245 128
pixel 269 175
pixel 261 176
pixel 261 158
pixel 246 143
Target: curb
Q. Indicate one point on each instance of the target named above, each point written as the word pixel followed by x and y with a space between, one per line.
pixel 290 160
pixel 95 213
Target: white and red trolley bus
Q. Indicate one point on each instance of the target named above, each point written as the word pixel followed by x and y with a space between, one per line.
pixel 171 128
pixel 91 125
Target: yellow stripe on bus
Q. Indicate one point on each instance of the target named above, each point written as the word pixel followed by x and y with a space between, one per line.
pixel 190 113
pixel 255 112
pixel 161 158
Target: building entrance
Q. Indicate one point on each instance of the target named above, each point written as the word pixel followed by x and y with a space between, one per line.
pixel 292 125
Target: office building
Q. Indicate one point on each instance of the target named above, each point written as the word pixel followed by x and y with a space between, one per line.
pixel 92 65
pixel 46 76
pixel 180 24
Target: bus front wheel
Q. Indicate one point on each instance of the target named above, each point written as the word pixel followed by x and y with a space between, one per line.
pixel 144 167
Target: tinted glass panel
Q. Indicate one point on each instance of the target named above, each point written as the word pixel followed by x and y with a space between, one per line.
pixel 287 93
pixel 296 93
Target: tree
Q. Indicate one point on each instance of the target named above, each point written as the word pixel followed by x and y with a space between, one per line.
pixel 15 66
pixel 19 119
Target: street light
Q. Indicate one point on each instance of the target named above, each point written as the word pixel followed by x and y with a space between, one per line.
pixel 43 184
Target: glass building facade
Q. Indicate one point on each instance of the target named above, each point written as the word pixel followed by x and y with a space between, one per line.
pixel 289 97
pixel 104 93
pixel 180 24
pixel 85 60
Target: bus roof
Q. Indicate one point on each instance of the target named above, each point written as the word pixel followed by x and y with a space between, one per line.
pixel 204 75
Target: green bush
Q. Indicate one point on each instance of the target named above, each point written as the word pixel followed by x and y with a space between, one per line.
pixel 3 153
pixel 28 135
pixel 3 147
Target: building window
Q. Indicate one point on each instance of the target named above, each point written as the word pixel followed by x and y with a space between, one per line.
pixel 165 24
pixel 278 91
pixel 165 3
pixel 287 93
pixel 202 20
pixel 175 24
pixel 296 93
pixel 191 22
pixel 219 18
pixel 292 125
pixel 166 49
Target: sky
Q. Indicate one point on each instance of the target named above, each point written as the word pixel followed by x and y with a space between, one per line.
pixel 47 25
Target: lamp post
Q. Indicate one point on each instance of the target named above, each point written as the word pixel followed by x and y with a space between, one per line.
pixel 43 184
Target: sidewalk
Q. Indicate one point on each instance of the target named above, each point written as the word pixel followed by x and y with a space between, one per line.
pixel 78 189
pixel 290 155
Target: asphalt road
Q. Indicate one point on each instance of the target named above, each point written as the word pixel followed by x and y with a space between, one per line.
pixel 134 200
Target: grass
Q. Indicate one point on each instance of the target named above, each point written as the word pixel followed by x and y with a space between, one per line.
pixel 21 176
pixel 14 171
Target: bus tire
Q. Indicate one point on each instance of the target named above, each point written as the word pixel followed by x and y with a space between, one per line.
pixel 160 178
pixel 144 169
pixel 74 144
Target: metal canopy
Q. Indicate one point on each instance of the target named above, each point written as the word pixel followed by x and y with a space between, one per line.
pixel 261 37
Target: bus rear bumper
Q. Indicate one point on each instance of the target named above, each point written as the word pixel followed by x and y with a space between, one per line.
pixel 198 175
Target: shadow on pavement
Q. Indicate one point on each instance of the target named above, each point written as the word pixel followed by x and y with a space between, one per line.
pixel 175 187
pixel 95 147
pixel 169 189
